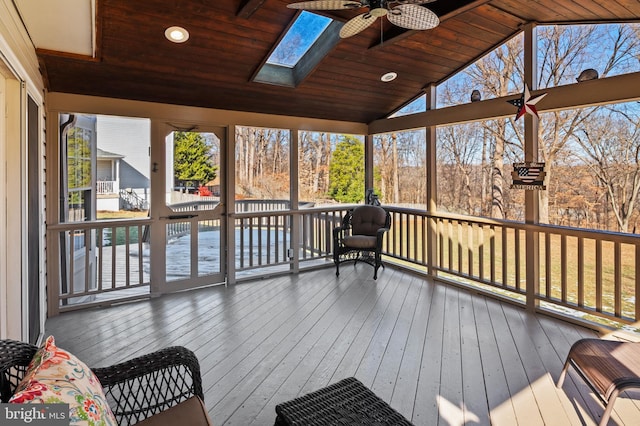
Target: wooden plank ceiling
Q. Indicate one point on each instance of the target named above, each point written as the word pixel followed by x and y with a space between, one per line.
pixel 230 39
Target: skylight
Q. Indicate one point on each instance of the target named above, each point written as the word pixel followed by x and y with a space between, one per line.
pixel 301 48
pixel 298 40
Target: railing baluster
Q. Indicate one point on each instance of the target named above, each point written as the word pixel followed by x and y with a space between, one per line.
pixel 637 281
pixel 99 244
pixel 127 247
pixel 481 252
pixel 547 261
pixel 460 248
pixel 414 254
pixel 407 239
pixel 581 272
pixel 268 220
pixel 251 245
pixel 140 254
pixel 516 263
pixel 505 279
pixel 71 271
pixel 87 260
pixel 440 236
pixel 113 257
pixel 598 275
pixel 260 246
pixel 492 252
pixel 617 286
pixel 449 235
pixel 563 268
pixel 470 247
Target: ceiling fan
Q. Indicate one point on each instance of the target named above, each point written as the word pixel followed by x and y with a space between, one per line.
pixel 406 13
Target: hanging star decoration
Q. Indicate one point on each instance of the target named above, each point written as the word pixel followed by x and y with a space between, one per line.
pixel 526 104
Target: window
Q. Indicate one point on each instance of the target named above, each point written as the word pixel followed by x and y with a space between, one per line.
pixel 497 74
pixel 331 168
pixel 593 167
pixel 79 146
pixel 400 168
pixel 565 51
pixel 262 169
pixel 106 171
pixel 417 105
pixel 474 163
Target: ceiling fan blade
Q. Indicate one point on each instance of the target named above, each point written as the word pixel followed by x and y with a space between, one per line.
pixel 357 24
pixel 326 5
pixel 413 17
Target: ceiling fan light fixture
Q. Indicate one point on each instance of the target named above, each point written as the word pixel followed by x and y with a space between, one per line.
pixel 390 76
pixel 176 34
pixel 379 12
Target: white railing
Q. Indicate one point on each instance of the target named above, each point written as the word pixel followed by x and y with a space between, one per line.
pixel 107 187
pixel 593 274
pixel 99 262
pixel 590 274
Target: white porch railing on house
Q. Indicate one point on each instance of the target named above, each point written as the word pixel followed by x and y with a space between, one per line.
pixel 585 273
pixel 107 187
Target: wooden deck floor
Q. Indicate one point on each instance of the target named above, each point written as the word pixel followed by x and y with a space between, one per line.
pixel 437 354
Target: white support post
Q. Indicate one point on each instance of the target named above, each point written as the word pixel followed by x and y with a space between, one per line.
pixel 531 199
pixel 294 199
pixel 431 184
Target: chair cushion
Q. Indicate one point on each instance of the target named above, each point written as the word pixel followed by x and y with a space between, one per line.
pixel 190 412
pixel 366 219
pixel 359 242
pixel 56 376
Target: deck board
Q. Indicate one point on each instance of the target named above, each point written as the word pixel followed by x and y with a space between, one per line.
pixel 437 354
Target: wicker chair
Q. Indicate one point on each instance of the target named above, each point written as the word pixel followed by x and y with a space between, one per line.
pixel 360 237
pixel 136 389
pixel 608 367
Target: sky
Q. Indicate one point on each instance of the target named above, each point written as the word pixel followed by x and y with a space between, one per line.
pixel 302 34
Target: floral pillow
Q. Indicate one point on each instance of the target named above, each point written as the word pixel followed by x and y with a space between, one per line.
pixel 56 376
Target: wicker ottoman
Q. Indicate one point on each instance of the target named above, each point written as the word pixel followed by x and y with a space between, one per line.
pixel 347 402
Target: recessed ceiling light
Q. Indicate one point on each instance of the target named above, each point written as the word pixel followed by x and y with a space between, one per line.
pixel 176 34
pixel 390 76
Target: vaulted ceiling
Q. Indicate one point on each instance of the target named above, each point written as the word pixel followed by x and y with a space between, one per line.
pixel 230 39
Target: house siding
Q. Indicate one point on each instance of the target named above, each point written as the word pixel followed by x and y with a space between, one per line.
pixel 20 72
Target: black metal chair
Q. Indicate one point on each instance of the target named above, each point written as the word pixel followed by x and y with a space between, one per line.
pixel 360 236
pixel 136 389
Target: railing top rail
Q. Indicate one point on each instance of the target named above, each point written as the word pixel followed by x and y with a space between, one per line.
pixel 541 227
pixel 98 224
pixel 289 212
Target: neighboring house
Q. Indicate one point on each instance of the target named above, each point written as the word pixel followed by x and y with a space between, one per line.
pixel 129 168
pixel 108 180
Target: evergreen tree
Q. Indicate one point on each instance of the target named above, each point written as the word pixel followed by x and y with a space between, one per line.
pixel 346 171
pixel 192 158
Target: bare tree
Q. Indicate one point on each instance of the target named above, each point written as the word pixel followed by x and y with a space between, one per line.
pixel 458 147
pixel 610 147
pixel 499 74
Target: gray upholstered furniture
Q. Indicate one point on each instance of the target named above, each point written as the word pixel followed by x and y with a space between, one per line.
pixel 360 236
